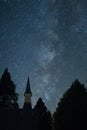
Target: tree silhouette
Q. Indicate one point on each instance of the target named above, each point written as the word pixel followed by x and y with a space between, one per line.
pixel 8 96
pixel 71 112
pixel 45 118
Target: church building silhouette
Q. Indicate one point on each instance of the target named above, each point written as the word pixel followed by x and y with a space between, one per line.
pixel 24 118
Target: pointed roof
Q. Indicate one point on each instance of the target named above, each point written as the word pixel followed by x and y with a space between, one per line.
pixel 28 90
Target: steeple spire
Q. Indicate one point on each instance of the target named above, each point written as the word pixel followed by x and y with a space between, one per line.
pixel 27 101
pixel 28 90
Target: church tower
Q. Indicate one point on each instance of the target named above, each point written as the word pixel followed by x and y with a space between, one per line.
pixel 27 101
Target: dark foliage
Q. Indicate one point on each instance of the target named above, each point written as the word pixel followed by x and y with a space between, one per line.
pixel 45 118
pixel 8 96
pixel 71 112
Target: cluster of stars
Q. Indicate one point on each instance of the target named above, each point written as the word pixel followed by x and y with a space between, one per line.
pixel 46 40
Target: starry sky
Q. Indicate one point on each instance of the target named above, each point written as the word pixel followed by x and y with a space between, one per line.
pixel 47 40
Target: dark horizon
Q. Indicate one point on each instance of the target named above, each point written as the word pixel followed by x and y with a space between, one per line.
pixel 70 113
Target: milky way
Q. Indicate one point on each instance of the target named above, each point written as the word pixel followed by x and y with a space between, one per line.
pixel 47 40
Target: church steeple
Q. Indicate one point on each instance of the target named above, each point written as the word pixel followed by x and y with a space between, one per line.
pixel 27 101
pixel 28 90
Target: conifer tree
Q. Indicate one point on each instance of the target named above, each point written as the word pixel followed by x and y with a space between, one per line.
pixel 8 96
pixel 71 112
pixel 45 118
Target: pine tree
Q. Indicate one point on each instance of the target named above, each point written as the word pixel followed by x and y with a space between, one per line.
pixel 8 96
pixel 45 118
pixel 71 112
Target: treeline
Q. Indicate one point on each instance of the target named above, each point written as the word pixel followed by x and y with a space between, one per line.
pixel 71 111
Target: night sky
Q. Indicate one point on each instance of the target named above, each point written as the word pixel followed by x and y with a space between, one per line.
pixel 47 40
